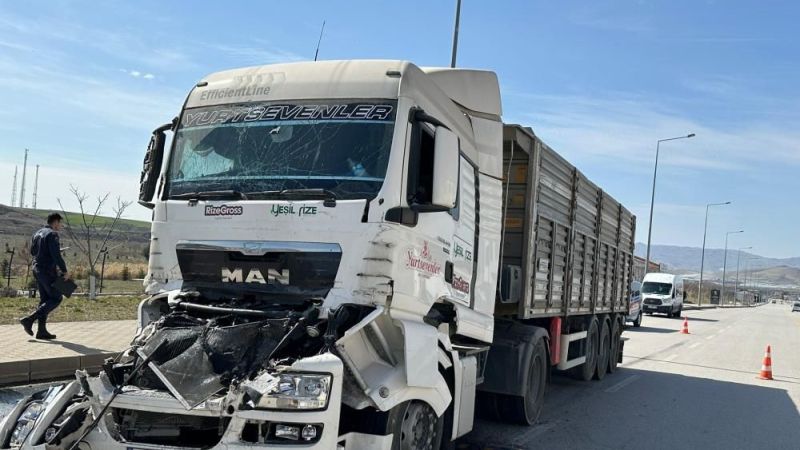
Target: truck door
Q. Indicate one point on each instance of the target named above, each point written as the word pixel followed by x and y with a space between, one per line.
pixel 462 251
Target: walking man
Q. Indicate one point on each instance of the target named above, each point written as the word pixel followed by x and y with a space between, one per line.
pixel 47 266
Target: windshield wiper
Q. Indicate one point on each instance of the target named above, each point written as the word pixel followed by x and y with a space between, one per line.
pixel 209 194
pixel 328 196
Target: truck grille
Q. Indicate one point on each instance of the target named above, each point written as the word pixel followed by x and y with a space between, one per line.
pixel 146 427
pixel 652 301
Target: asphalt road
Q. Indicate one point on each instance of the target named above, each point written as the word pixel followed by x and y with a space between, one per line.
pixel 677 391
pixel 672 391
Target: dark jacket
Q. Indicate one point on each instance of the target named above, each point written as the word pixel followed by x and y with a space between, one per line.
pixel 46 251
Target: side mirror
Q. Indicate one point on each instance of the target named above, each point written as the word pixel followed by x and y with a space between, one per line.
pixel 445 168
pixel 151 167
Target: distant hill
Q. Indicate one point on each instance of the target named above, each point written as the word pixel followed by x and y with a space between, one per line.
pixel 18 224
pixel 778 276
pixel 688 258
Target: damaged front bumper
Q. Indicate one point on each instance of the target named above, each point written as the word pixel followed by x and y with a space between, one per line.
pixel 160 421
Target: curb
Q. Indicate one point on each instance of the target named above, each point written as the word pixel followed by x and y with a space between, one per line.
pixel 46 369
pixel 698 307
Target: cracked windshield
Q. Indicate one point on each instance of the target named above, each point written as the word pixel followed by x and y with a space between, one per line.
pixel 266 148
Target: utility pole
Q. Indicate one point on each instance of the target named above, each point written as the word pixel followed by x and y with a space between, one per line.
pixel 703 254
pixel 455 34
pixel 653 198
pixel 725 265
pixel 738 259
pixel 35 186
pixel 14 188
pixel 22 187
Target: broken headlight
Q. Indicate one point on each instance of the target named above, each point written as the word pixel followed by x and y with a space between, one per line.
pixel 25 423
pixel 298 391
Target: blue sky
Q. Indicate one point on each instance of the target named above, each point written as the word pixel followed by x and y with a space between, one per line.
pixel 82 84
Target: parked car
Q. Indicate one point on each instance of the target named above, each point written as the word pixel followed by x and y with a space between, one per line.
pixel 663 293
pixel 635 311
pixel 796 306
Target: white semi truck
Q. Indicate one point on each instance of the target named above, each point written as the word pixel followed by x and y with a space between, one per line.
pixel 350 254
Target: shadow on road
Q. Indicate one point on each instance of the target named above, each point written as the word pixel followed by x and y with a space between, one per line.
pixel 698 319
pixel 691 412
pixel 644 329
pixel 77 348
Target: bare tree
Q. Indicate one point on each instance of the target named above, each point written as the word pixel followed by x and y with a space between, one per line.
pixel 89 235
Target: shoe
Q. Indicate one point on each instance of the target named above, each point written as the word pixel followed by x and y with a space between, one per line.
pixel 27 324
pixel 41 331
pixel 44 335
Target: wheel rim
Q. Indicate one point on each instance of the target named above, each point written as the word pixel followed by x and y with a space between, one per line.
pixel 418 429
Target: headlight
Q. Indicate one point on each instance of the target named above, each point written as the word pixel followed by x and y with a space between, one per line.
pixel 25 423
pixel 298 391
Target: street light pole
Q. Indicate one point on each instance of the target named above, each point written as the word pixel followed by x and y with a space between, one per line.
pixel 455 34
pixel 653 197
pixel 703 254
pixel 738 259
pixel 725 264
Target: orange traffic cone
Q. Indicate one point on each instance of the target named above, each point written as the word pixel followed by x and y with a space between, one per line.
pixel 766 366
pixel 685 329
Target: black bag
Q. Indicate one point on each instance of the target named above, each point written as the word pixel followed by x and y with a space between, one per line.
pixel 65 287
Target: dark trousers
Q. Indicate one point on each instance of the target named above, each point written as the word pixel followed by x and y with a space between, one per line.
pixel 49 298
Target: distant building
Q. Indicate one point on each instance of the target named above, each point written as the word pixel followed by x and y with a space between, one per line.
pixel 638 268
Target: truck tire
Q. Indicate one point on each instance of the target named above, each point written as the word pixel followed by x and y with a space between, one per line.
pixel 415 427
pixel 603 351
pixel 525 410
pixel 586 370
pixel 616 334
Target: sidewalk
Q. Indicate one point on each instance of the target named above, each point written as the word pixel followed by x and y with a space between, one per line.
pixel 80 345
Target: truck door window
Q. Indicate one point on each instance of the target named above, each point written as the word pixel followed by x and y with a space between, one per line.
pixel 420 172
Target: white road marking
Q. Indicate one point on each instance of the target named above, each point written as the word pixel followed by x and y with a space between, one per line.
pixel 696 344
pixel 623 383
pixel 671 357
pixel 710 337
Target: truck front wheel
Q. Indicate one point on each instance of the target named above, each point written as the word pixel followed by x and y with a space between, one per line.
pixel 415 426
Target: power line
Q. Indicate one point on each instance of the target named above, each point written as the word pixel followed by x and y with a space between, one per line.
pixel 22 187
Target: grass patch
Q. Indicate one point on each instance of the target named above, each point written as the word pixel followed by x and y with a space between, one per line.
pixel 75 219
pixel 75 309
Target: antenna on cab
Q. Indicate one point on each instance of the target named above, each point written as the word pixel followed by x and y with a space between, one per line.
pixel 316 53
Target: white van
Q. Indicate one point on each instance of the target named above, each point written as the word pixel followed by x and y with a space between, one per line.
pixel 663 293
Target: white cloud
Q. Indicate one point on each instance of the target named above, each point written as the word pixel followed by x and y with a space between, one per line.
pixel 251 55
pixel 148 76
pixel 625 127
pixel 135 73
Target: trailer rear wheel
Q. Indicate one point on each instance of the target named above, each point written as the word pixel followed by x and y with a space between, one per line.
pixel 616 334
pixel 586 370
pixel 603 351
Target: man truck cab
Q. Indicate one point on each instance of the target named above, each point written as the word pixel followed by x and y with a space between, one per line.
pixel 663 293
